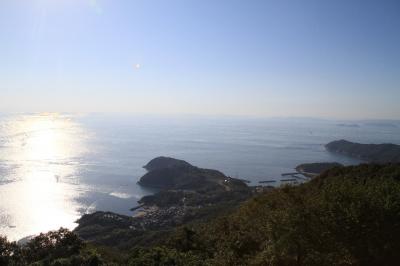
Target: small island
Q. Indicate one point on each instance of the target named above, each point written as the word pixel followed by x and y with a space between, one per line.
pixel 378 153
pixel 348 125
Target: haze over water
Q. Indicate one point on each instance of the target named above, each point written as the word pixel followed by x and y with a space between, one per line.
pixel 56 167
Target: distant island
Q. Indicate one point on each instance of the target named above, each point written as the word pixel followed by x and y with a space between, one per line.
pixel 381 124
pixel 379 153
pixel 348 125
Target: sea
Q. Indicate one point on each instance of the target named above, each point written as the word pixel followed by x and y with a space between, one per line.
pixel 56 167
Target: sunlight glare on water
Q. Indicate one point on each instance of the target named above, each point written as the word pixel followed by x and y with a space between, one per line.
pixel 38 156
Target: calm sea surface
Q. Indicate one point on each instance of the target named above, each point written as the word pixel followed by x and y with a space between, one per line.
pixel 55 167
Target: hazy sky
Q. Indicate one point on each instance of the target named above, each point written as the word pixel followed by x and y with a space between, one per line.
pixel 338 58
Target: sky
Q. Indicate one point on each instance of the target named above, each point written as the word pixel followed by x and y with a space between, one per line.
pixel 268 58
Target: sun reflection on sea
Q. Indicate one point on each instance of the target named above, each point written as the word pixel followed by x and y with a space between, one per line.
pixel 44 151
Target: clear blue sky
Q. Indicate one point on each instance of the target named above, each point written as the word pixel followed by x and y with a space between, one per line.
pixel 338 58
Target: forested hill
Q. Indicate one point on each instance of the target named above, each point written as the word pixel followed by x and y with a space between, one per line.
pixel 380 153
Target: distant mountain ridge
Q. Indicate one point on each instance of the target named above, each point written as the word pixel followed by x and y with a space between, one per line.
pixel 379 153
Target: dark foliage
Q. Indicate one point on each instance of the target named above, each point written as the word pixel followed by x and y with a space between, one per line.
pixel 60 247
